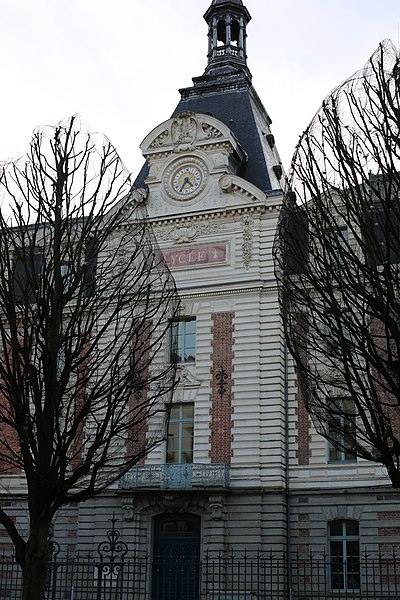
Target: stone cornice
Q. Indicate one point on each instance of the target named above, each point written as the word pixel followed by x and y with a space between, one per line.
pixel 216 213
pixel 261 288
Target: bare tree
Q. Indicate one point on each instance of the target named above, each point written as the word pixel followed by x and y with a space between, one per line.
pixel 337 262
pixel 85 306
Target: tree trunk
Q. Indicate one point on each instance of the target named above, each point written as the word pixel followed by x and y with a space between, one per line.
pixel 394 475
pixel 35 563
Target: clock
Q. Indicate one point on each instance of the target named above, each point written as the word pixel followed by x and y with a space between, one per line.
pixel 185 178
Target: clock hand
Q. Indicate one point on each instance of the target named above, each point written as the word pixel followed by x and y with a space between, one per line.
pixel 185 181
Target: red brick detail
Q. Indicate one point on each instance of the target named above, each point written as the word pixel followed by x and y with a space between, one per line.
pixel 80 397
pixel 389 531
pixel 303 517
pixel 303 548
pixel 303 428
pixel 10 447
pixel 72 534
pixel 386 348
pixel 389 548
pixel 73 519
pixel 221 388
pixel 389 515
pixel 305 533
pixel 139 400
pixel 303 419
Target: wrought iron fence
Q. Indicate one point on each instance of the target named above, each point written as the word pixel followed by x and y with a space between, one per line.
pixel 262 576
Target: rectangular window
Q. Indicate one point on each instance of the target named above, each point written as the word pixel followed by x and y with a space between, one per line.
pixel 180 434
pixel 342 430
pixel 66 276
pixel 336 333
pixel 27 274
pixel 336 246
pixel 344 555
pixel 183 340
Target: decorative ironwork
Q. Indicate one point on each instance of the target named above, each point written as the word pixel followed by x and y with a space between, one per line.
pixel 113 549
pixel 221 376
pixel 184 476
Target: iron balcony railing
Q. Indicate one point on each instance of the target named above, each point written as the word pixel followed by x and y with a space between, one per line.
pixel 183 476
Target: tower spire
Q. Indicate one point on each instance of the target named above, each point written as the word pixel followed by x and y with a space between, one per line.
pixel 227 21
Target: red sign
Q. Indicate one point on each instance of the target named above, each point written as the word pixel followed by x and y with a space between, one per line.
pixel 191 257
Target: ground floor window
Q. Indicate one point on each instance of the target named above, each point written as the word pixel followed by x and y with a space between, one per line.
pixel 344 555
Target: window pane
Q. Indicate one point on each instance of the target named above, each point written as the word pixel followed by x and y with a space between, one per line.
pixel 180 434
pixel 342 430
pixel 187 411
pixel 344 551
pixel 175 412
pixel 352 528
pixel 334 454
pixel 178 527
pixel 184 340
pixel 187 457
pixel 172 458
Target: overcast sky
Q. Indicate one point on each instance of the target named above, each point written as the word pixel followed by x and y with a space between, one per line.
pixel 120 63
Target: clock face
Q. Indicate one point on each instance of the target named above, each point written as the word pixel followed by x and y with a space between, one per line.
pixel 185 178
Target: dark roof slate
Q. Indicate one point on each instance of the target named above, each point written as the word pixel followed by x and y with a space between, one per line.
pixel 216 2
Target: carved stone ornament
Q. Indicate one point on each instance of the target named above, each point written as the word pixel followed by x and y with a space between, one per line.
pixel 160 140
pixel 217 508
pixel 210 131
pixel 172 503
pixel 183 234
pixel 186 378
pixel 247 243
pixel 226 183
pixel 184 131
pixel 128 509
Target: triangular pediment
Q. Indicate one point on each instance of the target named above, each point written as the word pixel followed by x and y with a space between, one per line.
pixel 187 132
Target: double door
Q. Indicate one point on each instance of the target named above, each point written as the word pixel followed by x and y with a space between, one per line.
pixel 176 552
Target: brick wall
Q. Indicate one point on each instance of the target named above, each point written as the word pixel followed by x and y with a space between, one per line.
pixel 221 388
pixel 303 430
pixel 9 446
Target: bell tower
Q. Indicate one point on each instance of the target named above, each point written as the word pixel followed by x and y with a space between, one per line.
pixel 227 21
pixel 225 92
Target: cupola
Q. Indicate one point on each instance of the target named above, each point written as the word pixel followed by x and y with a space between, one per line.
pixel 227 21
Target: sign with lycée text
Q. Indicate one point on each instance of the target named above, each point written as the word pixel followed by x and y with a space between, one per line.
pixel 194 257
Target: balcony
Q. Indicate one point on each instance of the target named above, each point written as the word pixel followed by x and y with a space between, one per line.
pixel 176 477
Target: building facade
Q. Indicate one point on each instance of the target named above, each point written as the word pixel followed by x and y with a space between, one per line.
pixel 242 467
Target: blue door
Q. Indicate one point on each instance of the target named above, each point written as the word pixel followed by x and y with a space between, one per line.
pixel 176 557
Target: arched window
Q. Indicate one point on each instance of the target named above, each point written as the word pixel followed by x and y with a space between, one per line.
pixel 221 33
pixel 344 555
pixel 235 28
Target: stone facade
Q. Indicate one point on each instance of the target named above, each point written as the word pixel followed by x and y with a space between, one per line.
pixel 260 477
